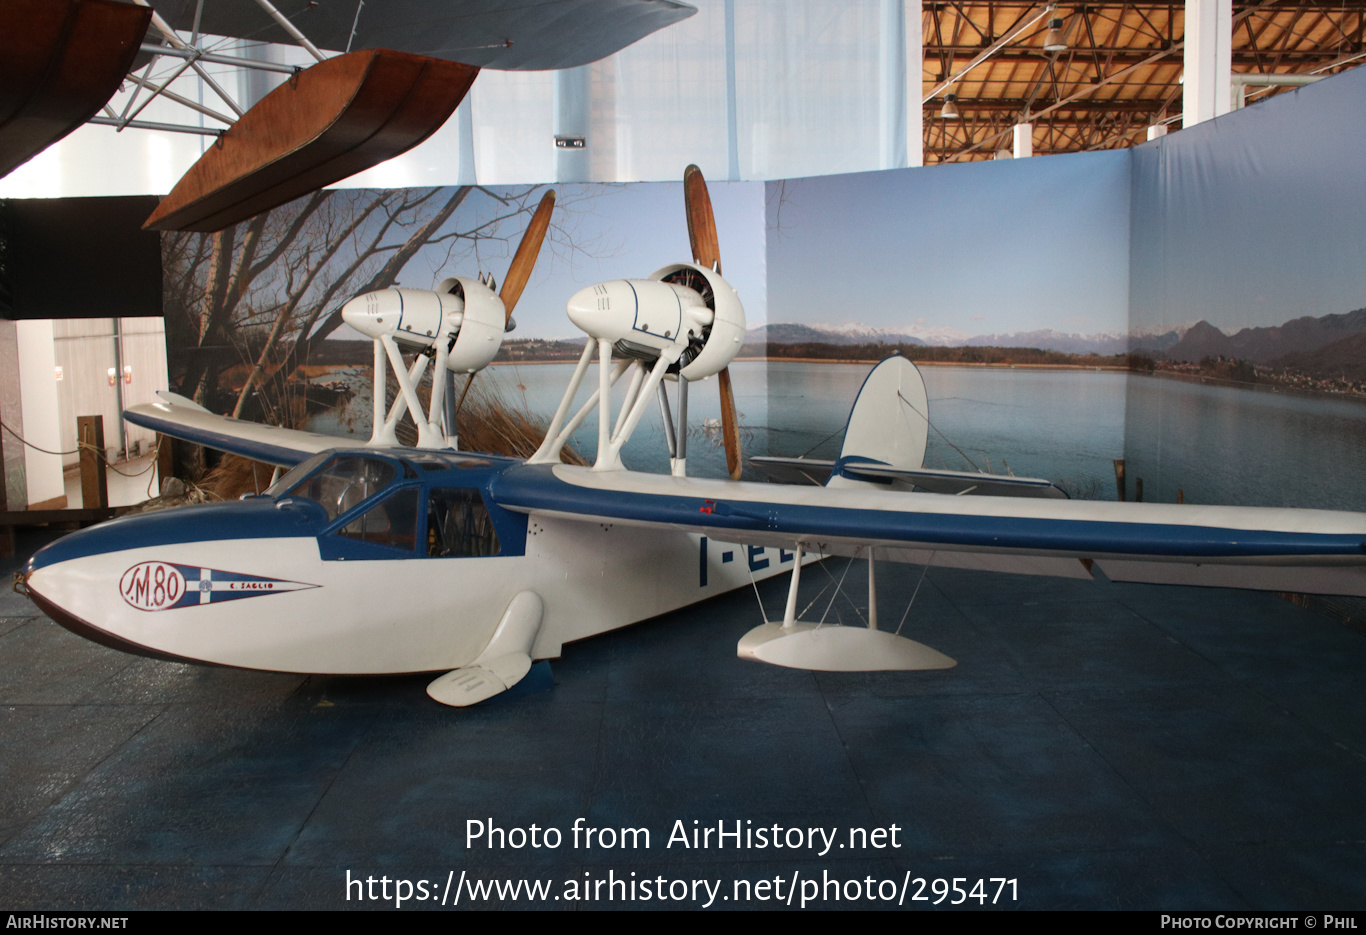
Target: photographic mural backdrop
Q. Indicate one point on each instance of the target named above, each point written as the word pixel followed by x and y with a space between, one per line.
pixel 1196 305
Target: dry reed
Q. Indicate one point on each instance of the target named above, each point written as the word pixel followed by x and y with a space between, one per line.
pixel 489 423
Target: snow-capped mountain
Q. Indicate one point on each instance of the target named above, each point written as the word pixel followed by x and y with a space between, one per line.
pixel 1045 339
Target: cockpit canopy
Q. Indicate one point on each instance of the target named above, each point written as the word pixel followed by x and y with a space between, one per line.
pixel 395 507
pixel 347 481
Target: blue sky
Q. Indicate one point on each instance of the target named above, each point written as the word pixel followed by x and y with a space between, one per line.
pixel 621 232
pixel 997 247
pixel 1257 217
pixel 1251 219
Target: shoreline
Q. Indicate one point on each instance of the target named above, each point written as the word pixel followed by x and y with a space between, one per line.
pixel 1279 388
pixel 851 360
pixel 1088 368
pixel 942 363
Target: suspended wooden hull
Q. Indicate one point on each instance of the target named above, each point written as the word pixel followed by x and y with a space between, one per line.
pixel 330 121
pixel 60 62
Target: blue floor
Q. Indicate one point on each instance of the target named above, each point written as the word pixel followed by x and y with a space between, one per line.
pixel 1104 745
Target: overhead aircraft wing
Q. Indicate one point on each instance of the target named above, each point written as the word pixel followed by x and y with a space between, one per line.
pixel 183 418
pixel 548 34
pixel 1314 551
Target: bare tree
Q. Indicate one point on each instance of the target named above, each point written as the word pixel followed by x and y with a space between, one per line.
pixel 263 295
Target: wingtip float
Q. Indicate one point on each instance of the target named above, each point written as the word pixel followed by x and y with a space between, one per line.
pixel 331 120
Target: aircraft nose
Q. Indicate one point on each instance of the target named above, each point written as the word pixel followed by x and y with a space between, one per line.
pixel 373 313
pixel 55 585
pixel 114 582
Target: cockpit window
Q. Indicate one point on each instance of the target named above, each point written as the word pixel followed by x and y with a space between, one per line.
pixel 295 474
pixel 344 483
pixel 459 525
pixel 391 522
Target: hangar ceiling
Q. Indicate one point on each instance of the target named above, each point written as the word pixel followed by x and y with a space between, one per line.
pixel 1114 72
pixel 1119 74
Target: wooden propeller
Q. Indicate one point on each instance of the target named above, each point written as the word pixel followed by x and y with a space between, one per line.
pixel 527 251
pixel 519 273
pixel 707 252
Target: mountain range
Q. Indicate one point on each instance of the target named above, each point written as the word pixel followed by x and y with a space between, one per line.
pixel 1345 359
pixel 1044 339
pixel 1264 345
pixel 1330 345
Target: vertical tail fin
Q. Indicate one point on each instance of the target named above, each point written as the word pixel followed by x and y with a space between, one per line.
pixel 889 423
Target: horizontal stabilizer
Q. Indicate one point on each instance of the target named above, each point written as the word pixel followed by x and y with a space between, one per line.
pixel 956 482
pixel 931 480
pixel 185 419
pixel 884 446
pixel 838 649
pixel 793 470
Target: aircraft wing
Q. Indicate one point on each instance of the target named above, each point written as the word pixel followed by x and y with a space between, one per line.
pixel 549 34
pixel 183 418
pixel 1314 551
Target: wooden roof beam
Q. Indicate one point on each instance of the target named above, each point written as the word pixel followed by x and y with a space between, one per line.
pixel 1123 56
pixel 1135 106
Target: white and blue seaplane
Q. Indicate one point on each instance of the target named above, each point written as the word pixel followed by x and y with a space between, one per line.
pixel 391 559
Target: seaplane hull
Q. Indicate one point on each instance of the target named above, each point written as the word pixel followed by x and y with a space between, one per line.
pixel 293 595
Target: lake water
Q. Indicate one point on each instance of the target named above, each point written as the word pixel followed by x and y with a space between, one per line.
pixel 1217 444
pixel 1065 425
pixel 1226 445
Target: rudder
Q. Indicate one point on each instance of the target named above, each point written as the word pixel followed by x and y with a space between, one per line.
pixel 889 423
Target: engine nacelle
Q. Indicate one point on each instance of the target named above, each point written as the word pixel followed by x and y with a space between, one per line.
pixel 461 310
pixel 640 314
pixel 684 308
pixel 412 317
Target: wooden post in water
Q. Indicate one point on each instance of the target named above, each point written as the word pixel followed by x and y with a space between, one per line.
pixel 1180 495
pixel 94 481
pixel 1119 478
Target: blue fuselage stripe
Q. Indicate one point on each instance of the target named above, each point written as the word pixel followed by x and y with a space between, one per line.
pixel 285 517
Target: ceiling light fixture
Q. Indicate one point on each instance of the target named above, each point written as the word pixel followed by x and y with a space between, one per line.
pixel 1055 40
pixel 950 109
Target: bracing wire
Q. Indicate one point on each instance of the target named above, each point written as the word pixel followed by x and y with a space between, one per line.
pixel 926 417
pixel 838 589
pixel 923 573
